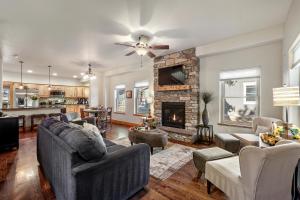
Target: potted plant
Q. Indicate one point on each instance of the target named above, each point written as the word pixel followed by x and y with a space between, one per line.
pixel 34 100
pixel 206 98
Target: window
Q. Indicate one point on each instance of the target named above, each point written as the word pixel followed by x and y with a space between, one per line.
pixel 249 92
pixel 120 98
pixel 294 53
pixel 141 98
pixel 239 96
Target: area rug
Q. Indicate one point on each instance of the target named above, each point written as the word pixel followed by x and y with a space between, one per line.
pixel 164 163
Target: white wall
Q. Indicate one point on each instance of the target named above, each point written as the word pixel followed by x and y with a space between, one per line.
pixel 291 77
pixel 268 57
pixel 41 79
pixel 128 79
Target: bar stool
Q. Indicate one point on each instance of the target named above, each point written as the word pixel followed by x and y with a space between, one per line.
pixel 108 115
pixel 55 115
pixel 37 116
pixel 23 122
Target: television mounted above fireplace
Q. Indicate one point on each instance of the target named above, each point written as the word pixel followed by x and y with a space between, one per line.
pixel 174 75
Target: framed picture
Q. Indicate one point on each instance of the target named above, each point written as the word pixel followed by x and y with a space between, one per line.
pixel 129 94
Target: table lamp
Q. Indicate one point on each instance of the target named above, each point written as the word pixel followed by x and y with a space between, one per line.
pixel 286 97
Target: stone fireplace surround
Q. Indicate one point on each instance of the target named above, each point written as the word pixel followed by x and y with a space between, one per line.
pixel 189 93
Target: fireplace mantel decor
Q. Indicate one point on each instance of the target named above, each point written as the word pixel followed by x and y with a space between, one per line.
pixel 186 93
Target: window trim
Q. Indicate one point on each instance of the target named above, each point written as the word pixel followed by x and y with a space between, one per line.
pixel 135 100
pixel 222 97
pixel 291 53
pixel 119 87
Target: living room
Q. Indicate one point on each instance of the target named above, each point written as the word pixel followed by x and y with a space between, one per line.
pixel 123 100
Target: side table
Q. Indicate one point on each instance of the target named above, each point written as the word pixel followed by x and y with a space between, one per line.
pixel 205 133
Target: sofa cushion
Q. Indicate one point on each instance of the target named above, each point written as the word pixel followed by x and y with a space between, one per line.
pixel 49 121
pixel 89 145
pixel 58 127
pixel 114 148
pixel 108 143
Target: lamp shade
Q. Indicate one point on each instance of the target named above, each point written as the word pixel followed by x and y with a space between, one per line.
pixel 286 96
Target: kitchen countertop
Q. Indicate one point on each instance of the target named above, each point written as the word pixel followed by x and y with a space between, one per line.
pixel 41 107
pixel 31 108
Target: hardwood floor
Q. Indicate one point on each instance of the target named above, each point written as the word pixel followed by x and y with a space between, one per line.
pixel 21 178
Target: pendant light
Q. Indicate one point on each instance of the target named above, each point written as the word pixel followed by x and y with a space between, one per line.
pixel 21 86
pixel 49 84
pixel 89 75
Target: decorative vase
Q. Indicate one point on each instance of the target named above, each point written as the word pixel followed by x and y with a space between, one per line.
pixel 205 119
pixel 35 103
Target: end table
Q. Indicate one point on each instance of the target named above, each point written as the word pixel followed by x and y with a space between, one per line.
pixel 205 133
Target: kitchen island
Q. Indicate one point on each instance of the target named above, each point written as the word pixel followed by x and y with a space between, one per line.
pixel 28 111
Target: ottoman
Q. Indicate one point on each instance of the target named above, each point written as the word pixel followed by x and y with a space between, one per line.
pixel 200 157
pixel 153 137
pixel 247 139
pixel 228 142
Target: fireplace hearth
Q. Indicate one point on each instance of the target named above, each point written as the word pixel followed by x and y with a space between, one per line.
pixel 173 114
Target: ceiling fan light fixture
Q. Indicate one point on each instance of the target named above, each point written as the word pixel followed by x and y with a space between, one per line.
pixel 141 51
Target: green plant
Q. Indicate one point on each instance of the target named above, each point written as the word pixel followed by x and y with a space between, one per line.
pixel 206 97
pixel 34 98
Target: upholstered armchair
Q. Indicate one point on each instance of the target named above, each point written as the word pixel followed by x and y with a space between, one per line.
pixel 259 124
pixel 256 174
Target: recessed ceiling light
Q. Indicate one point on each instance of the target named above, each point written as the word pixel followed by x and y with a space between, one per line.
pixel 54 74
pixel 29 71
pixel 74 76
pixel 81 73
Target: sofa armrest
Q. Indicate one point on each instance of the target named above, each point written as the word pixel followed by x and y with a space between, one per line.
pixel 117 176
pixel 79 122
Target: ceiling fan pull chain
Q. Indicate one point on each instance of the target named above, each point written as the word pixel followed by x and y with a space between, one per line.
pixel 141 61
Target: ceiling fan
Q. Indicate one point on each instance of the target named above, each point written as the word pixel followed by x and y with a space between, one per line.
pixel 143 48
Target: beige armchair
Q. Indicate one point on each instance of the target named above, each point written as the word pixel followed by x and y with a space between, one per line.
pixel 252 139
pixel 256 174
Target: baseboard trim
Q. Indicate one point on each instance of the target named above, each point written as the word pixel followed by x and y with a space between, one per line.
pixel 129 124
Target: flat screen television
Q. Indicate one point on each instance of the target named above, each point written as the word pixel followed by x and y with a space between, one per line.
pixel 171 75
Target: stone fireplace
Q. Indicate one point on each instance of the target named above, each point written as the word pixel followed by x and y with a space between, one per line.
pixel 173 114
pixel 179 96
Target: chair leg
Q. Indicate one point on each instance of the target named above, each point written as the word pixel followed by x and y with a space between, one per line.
pixel 208 186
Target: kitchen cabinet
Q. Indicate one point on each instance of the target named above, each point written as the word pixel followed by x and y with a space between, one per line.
pixel 43 90
pixel 70 92
pixel 86 93
pixel 74 108
pixel 79 91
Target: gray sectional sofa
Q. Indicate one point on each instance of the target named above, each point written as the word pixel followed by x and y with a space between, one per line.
pixel 79 169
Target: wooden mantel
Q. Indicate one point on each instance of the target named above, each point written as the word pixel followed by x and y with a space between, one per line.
pixel 173 87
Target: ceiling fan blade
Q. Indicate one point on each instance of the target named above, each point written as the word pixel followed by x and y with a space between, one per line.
pixel 150 54
pixel 160 47
pixel 124 44
pixel 130 53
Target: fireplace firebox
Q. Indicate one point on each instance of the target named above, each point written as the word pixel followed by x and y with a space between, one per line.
pixel 173 114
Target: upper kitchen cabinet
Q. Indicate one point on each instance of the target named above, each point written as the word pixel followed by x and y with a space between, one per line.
pixel 70 91
pixel 86 93
pixel 43 91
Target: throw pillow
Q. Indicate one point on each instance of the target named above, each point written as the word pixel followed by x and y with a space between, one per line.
pixel 89 145
pixel 91 127
pixel 262 129
pixel 73 125
pixel 58 127
pixel 49 121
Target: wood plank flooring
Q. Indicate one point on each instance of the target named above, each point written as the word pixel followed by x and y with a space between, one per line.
pixel 21 178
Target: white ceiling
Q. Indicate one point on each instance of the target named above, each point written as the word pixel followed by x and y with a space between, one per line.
pixel 70 33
